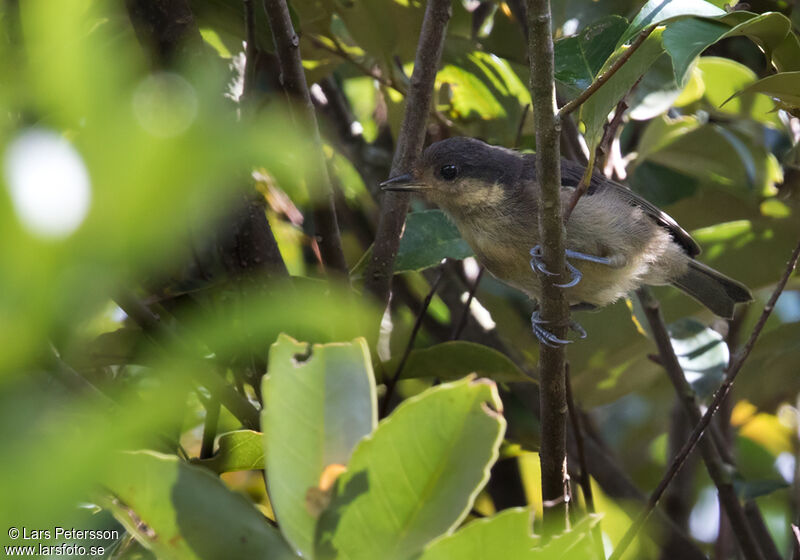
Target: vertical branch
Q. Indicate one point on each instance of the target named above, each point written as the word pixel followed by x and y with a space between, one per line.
pixel 378 276
pixel 554 308
pixel 287 47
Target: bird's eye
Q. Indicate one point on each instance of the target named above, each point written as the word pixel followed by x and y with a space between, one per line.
pixel 448 172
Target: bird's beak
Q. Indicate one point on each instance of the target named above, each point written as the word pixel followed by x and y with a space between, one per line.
pixel 403 183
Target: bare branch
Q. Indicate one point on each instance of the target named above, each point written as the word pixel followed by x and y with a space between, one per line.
pixel 392 381
pixel 605 76
pixel 708 447
pixel 554 309
pixel 378 276
pixel 733 369
pixel 287 47
pixel 462 320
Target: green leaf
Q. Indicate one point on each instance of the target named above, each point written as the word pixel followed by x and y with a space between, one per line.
pixel 594 113
pixel 752 489
pixel 701 352
pixel 417 476
pixel 685 39
pixel 455 359
pixel 182 511
pixel 383 28
pixel 785 87
pixel 319 401
pixel 579 58
pixel 659 11
pixel 509 531
pixel 428 238
pixel 241 450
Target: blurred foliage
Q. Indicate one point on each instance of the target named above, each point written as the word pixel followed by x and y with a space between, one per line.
pixel 137 358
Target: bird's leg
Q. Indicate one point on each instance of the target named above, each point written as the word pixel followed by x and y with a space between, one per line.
pixel 537 263
pixel 549 339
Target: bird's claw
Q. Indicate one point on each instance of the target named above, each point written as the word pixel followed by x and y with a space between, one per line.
pixel 538 264
pixel 549 339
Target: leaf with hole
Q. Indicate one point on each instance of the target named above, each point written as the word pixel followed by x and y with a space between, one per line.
pixel 319 401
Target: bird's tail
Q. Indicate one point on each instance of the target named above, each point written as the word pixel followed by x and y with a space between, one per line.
pixel 713 289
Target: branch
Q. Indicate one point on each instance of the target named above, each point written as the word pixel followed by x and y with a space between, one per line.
pixel 605 76
pixel 554 310
pixel 378 276
pixel 462 319
pixel 391 383
pixel 287 48
pixel 708 447
pixel 733 369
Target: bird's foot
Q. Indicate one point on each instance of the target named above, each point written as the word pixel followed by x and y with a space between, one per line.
pixel 538 264
pixel 549 339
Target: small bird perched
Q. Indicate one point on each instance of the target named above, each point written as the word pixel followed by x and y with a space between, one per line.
pixel 616 240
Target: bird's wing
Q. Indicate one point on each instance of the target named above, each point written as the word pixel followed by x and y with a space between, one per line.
pixel 571 173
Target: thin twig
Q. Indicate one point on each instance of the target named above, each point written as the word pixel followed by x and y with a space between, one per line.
pixel 554 309
pixel 605 76
pixel 584 480
pixel 709 447
pixel 339 51
pixel 378 276
pixel 250 51
pixel 391 383
pixel 734 367
pixel 462 319
pixel 293 79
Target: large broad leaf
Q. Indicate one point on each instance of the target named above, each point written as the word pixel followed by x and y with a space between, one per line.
pixel 428 238
pixel 242 450
pixel 319 401
pixel 183 511
pixel 701 352
pixel 658 11
pixel 509 531
pixel 417 476
pixel 687 38
pixel 594 113
pixel 579 58
pixel 784 87
pixel 454 360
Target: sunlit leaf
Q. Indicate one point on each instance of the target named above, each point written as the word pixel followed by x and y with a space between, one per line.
pixel 659 11
pixel 242 450
pixel 183 511
pixel 407 483
pixel 319 401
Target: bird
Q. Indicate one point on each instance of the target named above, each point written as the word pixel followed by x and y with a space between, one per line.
pixel 616 241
